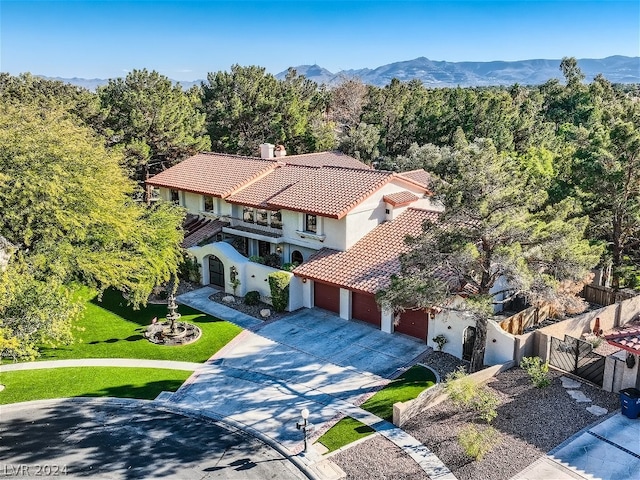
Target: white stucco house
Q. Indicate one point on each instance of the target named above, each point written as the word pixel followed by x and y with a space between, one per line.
pixel 340 222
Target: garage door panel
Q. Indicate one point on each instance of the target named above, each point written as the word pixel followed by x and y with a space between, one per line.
pixel 413 323
pixel 326 297
pixel 365 308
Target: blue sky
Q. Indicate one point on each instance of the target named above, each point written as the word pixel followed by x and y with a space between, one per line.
pixel 186 39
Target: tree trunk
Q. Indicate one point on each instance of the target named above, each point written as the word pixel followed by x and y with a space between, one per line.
pixel 479 345
pixel 616 251
pixel 147 187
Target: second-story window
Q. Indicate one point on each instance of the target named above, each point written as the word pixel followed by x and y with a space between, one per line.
pixel 311 223
pixel 262 217
pixel 208 203
pixel 276 219
pixel 175 196
pixel 249 214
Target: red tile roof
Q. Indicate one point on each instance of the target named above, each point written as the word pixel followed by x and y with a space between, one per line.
pixel 324 159
pixel 330 191
pixel 261 191
pixel 213 174
pixel 420 177
pixel 400 198
pixel 198 229
pixel 369 264
pixel 627 338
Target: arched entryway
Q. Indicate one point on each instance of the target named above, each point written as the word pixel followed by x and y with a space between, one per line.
pixel 469 340
pixel 216 271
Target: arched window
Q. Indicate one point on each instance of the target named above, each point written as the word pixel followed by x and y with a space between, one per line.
pixel 296 257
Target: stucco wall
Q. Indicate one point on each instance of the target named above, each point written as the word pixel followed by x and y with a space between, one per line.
pixel 500 345
pixel 451 324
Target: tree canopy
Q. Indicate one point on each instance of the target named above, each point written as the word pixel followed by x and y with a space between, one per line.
pixel 66 206
pixel 496 233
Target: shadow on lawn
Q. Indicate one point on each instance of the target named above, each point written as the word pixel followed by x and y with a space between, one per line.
pixel 148 391
pixel 114 302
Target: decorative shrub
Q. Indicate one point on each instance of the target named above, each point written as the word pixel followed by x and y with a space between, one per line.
pixel 256 259
pixel 478 441
pixel 252 298
pixel 538 371
pixel 288 267
pixel 279 285
pixel 440 341
pixel 189 269
pixel 273 260
pixel 464 392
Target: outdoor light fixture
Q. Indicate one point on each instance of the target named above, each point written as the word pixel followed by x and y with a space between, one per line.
pixel 304 413
pixel 631 360
pixel 233 273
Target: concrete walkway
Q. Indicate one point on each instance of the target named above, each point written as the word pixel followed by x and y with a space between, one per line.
pixel 310 359
pixel 609 450
pixel 102 362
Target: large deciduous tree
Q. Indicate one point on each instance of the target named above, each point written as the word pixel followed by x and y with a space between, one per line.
pixel 495 228
pixel 156 122
pixel 66 210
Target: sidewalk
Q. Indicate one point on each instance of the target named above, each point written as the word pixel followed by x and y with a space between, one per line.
pixel 102 362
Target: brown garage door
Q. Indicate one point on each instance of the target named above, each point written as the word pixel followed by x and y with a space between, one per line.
pixel 326 296
pixel 414 323
pixel 365 308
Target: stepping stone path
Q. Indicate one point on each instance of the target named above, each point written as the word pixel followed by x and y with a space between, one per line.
pixel 572 387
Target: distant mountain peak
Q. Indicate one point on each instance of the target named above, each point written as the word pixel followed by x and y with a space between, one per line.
pixel 440 73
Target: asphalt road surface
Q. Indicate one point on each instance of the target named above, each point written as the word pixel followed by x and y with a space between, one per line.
pixel 128 440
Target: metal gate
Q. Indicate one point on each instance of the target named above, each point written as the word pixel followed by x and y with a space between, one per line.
pixel 576 356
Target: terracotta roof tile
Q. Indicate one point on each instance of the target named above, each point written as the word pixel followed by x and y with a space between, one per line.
pixel 369 264
pixel 626 338
pixel 400 198
pixel 420 177
pixel 331 192
pixel 324 159
pixel 199 229
pixel 213 174
pixel 261 191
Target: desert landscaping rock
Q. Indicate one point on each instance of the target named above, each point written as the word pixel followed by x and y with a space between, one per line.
pixel 265 313
pixel 229 299
pixel 597 410
pixel 578 396
pixel 570 382
pixel 531 422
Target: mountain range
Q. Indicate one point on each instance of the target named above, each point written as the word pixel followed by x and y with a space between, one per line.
pixel 617 69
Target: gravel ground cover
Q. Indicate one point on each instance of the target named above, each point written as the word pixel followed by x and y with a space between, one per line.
pixel 530 421
pixel 253 310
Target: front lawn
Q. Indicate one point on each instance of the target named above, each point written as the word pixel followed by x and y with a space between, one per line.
pixel 143 383
pixel 111 329
pixel 406 387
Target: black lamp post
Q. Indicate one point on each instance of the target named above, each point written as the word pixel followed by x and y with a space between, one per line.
pixel 304 413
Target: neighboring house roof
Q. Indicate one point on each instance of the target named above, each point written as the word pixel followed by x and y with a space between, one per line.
pixel 401 198
pixel 420 177
pixel 260 192
pixel 199 229
pixel 627 338
pixel 214 174
pixel 324 159
pixel 330 191
pixel 370 263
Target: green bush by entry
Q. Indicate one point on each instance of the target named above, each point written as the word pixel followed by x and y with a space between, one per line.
pixel 252 298
pixel 279 285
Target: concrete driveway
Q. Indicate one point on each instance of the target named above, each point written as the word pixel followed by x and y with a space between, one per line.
pixel 311 359
pixel 609 450
pixel 128 439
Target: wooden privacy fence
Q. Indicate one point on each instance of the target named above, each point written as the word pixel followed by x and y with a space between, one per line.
pixel 604 295
pixel 516 324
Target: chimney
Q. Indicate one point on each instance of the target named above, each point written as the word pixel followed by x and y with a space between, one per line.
pixel 280 151
pixel 266 151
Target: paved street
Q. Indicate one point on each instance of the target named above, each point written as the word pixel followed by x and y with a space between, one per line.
pixel 128 439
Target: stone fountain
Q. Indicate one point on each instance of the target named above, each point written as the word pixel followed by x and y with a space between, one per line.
pixel 172 332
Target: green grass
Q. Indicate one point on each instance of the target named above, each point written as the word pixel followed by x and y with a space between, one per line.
pixel 111 329
pixel 344 432
pixel 143 383
pixel 406 387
